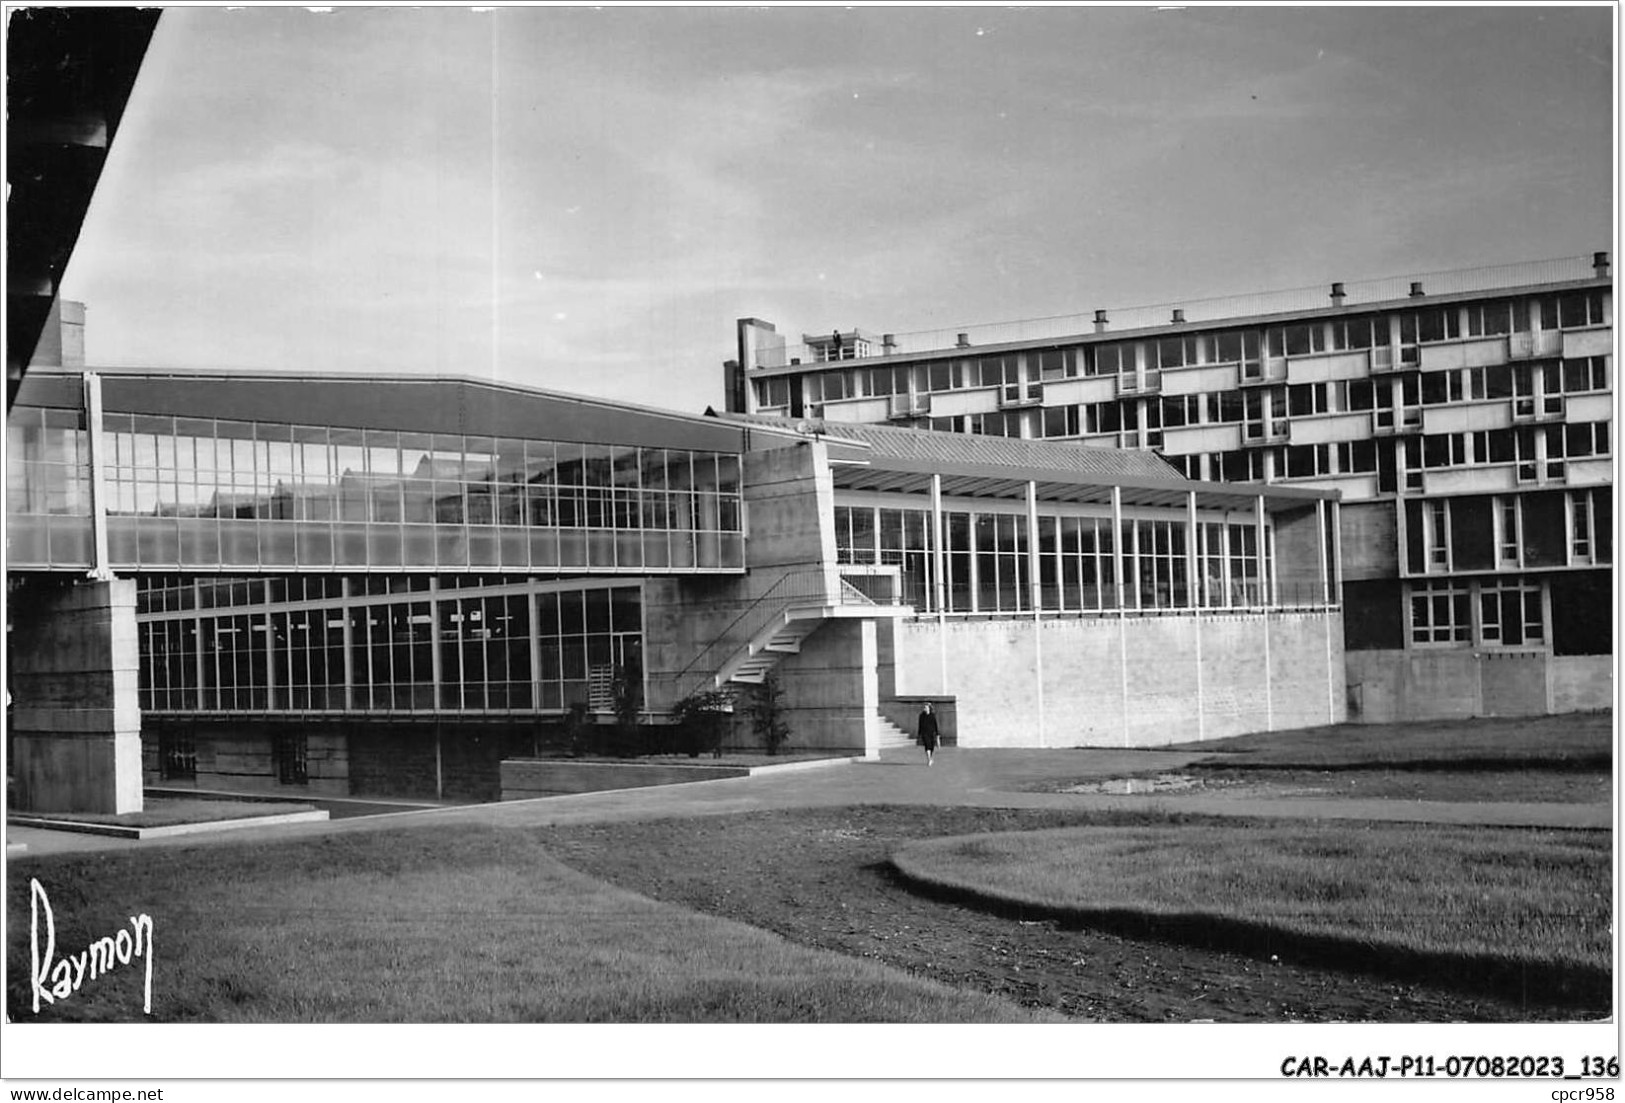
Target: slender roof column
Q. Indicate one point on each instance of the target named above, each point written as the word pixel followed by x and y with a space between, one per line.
pixel 101 568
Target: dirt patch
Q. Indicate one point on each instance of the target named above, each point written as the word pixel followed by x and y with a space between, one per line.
pixel 820 877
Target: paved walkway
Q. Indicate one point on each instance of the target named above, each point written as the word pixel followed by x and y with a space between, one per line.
pixel 980 778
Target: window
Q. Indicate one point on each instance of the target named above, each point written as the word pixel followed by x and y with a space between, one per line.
pixel 1359 333
pixel 1441 612
pixel 1440 387
pixel 1306 399
pixel 1061 421
pixel 1589 373
pixel 1580 528
pixel 1245 466
pixel 1436 532
pixel 1304 340
pixel 1580 309
pixel 1357 456
pixel 1579 440
pixel 1510 611
pixel 1102 417
pixel 1181 410
pixel 1437 324
pixel 1495 319
pixel 1307 460
pixel 1444 450
pixel 773 392
pixel 1002 424
pixel 1056 364
pixel 1114 359
pixel 1508 531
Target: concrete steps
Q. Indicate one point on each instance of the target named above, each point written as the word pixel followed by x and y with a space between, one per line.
pixel 891 736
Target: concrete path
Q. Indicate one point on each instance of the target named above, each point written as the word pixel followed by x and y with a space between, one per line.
pixel 980 778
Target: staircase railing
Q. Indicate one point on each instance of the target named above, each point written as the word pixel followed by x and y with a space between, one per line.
pixel 807 586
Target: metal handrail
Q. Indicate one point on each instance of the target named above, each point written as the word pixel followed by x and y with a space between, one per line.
pixel 789 589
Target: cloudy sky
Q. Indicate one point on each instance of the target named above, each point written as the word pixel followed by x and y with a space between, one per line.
pixel 585 199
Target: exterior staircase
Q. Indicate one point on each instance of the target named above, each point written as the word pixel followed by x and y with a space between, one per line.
pixel 892 737
pixel 782 636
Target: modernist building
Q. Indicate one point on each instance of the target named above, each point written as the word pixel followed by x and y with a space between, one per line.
pixel 383 586
pixel 1465 420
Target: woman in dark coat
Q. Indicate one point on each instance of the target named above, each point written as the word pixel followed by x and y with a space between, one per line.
pixel 928 732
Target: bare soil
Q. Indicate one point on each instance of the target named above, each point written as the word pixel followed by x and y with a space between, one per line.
pixel 821 877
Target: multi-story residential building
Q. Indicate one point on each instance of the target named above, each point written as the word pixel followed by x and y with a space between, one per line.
pixel 1465 419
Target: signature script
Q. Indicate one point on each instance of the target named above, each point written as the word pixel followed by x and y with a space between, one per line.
pixel 57 980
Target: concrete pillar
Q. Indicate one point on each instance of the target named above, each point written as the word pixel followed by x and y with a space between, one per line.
pixel 76 717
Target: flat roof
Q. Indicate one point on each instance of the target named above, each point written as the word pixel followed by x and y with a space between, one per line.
pixel 406 403
pixel 891 458
pixel 1174 329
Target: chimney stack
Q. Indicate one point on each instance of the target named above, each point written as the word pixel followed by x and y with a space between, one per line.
pixel 963 342
pixel 1178 318
pixel 1100 321
pixel 1416 289
pixel 888 343
pixel 1599 261
pixel 1338 295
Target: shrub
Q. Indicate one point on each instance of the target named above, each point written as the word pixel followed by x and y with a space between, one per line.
pixel 700 719
pixel 767 714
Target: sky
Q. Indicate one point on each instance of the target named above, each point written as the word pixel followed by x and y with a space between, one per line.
pixel 585 199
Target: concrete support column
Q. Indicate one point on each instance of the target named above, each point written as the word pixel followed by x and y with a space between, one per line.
pixel 1117 546
pixel 76 716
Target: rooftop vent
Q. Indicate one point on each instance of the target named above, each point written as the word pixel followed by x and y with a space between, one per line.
pixel 1338 294
pixel 1416 290
pixel 1100 321
pixel 963 342
pixel 1178 318
pixel 1599 261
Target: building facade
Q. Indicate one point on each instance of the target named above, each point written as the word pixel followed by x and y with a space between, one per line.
pixel 1465 420
pixel 387 587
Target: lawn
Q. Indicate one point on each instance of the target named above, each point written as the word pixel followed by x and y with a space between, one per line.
pixel 1575 741
pixel 1512 902
pixel 822 877
pixel 433 925
pixel 1546 759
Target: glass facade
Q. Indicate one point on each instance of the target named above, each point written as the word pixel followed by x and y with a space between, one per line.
pixel 384 645
pixel 988 564
pixel 185 493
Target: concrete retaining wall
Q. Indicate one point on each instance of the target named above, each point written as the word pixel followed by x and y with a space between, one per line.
pixel 1386 686
pixel 1135 682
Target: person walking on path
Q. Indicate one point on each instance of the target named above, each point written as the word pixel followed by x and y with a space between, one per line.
pixel 928 732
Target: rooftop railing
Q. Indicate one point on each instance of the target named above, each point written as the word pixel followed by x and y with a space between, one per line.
pixel 1355 293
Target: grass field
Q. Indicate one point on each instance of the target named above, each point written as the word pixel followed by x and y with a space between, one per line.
pixel 433 925
pixel 1546 759
pixel 1582 742
pixel 1513 901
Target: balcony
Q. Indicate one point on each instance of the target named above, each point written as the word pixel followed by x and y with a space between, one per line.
pixel 1014 396
pixel 1328 429
pixel 1199 379
pixel 1473 353
pixel 1535 344
pixel 1329 367
pixel 1588 342
pixel 909 406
